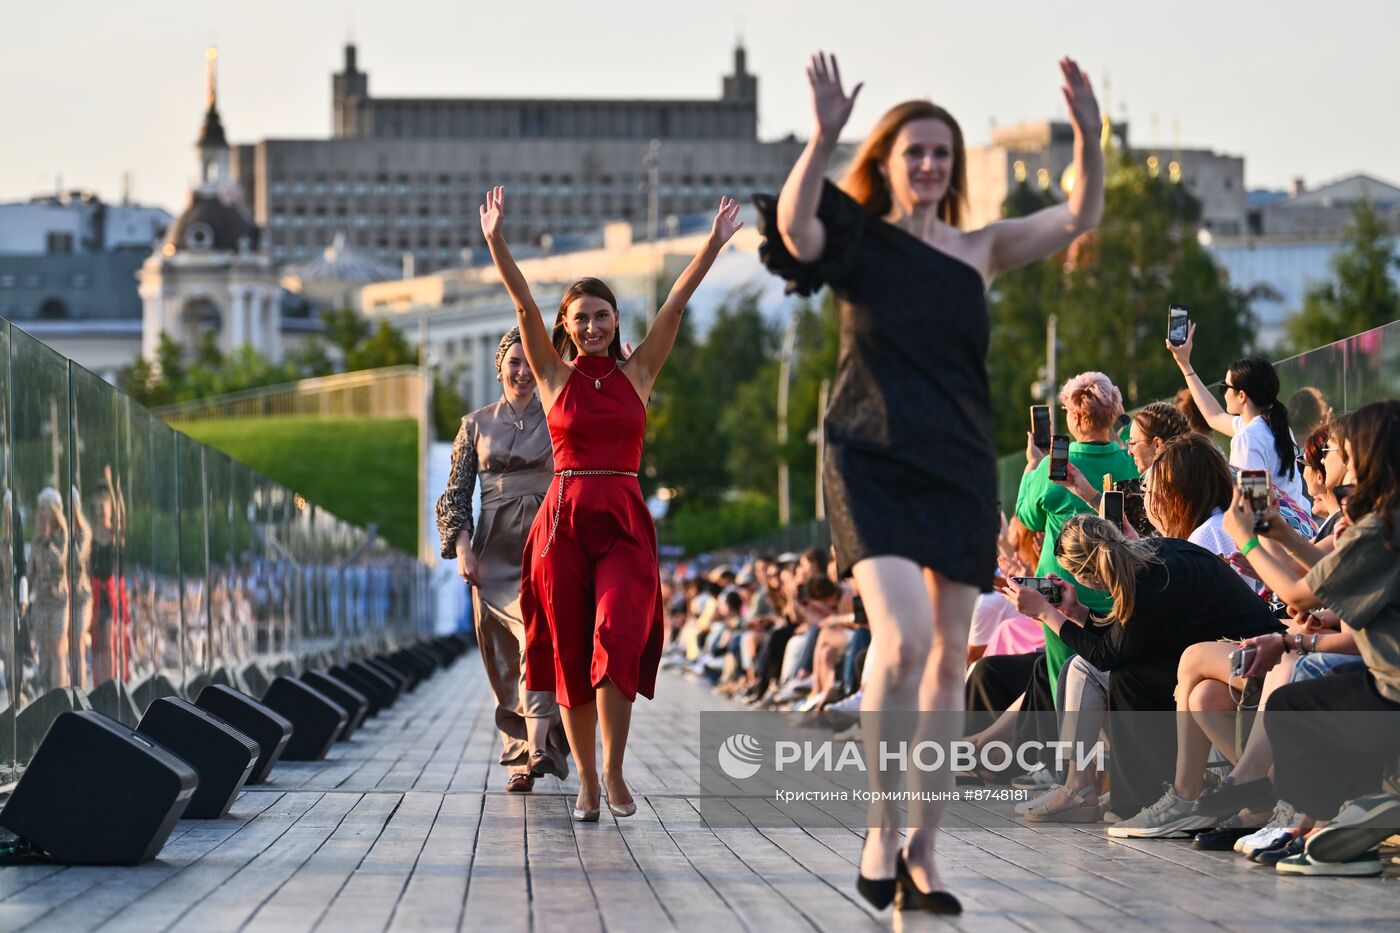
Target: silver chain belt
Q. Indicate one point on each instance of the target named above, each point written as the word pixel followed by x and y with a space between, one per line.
pixel 564 476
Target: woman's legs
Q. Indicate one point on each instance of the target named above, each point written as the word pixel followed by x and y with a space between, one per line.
pixel 1258 758
pixel 1084 700
pixel 901 632
pixel 941 706
pixel 615 718
pixel 581 726
pixel 1206 662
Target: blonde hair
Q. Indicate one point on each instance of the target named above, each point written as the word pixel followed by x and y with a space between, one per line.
pixel 1094 546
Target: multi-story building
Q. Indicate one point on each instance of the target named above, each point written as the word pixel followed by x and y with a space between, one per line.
pixel 1044 151
pixel 1291 242
pixel 406 175
pixel 68 265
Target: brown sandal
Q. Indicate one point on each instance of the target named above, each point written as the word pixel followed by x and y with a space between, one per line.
pixel 520 783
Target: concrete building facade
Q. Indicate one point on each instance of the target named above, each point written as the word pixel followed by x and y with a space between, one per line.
pixel 406 175
pixel 1043 151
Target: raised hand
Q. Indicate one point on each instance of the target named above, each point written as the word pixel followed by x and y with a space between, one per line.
pixel 1182 354
pixel 727 221
pixel 493 213
pixel 829 101
pixel 1079 97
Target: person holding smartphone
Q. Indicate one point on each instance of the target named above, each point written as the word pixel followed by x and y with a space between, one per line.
pixel 1165 594
pixel 909 426
pixel 1322 761
pixel 1253 417
pixel 1092 405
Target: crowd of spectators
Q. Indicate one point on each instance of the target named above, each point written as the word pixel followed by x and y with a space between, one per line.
pixel 1238 658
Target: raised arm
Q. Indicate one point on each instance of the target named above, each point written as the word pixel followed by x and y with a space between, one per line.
pixel 1024 240
pixel 1217 417
pixel 802 233
pixel 646 361
pixel 551 372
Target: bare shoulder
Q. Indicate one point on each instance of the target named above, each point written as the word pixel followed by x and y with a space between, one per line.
pixel 970 247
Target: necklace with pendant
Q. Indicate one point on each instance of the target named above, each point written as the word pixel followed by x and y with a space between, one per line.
pixel 598 383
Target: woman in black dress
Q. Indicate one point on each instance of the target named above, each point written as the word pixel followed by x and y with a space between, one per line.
pixel 910 472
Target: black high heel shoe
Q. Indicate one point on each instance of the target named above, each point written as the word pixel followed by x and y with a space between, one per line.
pixel 878 891
pixel 911 898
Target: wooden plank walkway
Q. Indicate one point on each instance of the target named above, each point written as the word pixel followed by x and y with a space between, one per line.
pixel 407 828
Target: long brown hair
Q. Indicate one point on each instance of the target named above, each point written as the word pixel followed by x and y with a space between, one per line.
pixel 1190 480
pixel 1092 545
pixel 865 183
pixel 594 288
pixel 1373 432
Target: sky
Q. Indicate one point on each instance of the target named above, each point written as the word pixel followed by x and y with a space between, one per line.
pixel 93 88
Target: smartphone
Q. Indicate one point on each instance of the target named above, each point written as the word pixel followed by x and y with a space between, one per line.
pixel 1135 507
pixel 1255 486
pixel 1042 585
pixel 858 611
pixel 1059 456
pixel 1040 426
pixel 1240 661
pixel 1178 325
pixel 1111 507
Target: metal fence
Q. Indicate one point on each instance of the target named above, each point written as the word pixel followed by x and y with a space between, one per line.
pixel 136 562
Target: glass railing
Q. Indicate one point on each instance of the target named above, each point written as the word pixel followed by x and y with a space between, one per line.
pixel 1336 378
pixel 137 563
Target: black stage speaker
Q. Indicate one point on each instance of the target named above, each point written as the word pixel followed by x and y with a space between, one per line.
pixel 98 793
pixel 223 756
pixel 376 692
pixel 428 657
pixel 344 695
pixel 389 678
pixel 438 652
pixel 405 676
pixel 408 668
pixel 316 719
pixel 267 727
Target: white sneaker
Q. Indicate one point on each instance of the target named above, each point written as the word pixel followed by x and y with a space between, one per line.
pixel 1170 816
pixel 1279 827
pixel 850 704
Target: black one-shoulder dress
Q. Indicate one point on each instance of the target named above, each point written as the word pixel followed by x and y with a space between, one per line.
pixel 910 468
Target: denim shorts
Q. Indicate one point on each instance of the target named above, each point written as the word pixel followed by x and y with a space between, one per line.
pixel 1310 666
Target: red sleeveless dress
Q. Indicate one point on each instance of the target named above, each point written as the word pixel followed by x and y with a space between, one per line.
pixel 590 582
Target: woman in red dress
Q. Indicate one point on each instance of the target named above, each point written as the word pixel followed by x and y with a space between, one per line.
pixel 591 587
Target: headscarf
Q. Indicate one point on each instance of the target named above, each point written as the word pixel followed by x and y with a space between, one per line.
pixel 511 338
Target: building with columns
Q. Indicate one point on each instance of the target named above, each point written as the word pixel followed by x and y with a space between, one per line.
pixel 213 273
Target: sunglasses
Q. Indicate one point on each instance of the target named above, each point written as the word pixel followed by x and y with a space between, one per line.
pixel 1222 385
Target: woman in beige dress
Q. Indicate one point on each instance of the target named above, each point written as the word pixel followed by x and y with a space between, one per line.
pixel 507 446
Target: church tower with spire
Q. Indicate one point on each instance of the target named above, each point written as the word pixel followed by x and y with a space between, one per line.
pixel 212 279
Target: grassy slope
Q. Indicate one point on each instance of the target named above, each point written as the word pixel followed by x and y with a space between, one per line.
pixel 362 469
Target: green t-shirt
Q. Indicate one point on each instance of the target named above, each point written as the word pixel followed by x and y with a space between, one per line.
pixel 1043 506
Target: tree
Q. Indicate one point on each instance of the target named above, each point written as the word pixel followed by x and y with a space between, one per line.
pixel 385 347
pixel 346 329
pixel 1361 296
pixel 1111 301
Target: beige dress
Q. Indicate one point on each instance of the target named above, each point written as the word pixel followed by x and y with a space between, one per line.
pixel 513 459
